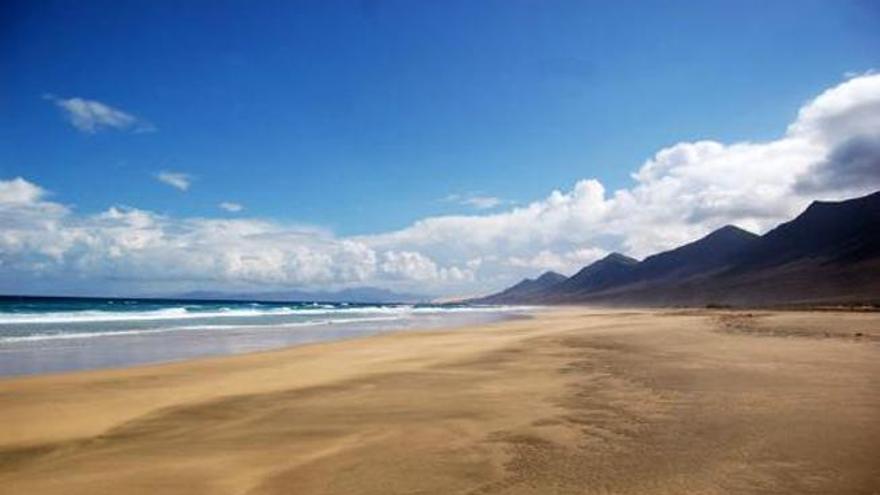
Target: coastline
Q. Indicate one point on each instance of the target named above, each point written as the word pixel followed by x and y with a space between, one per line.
pixel 624 401
pixel 253 365
pixel 64 341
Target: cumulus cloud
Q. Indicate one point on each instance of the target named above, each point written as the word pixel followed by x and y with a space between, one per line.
pixel 19 191
pixel 409 265
pixel 230 206
pixel 177 180
pixel 49 241
pixel 680 193
pixel 549 260
pixel 846 111
pixel 850 165
pixel 91 116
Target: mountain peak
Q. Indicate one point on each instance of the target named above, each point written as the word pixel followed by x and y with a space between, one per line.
pixel 551 277
pixel 605 272
pixel 708 253
pixel 731 231
pixel 526 289
pixel 619 258
pixel 831 230
pixel 831 251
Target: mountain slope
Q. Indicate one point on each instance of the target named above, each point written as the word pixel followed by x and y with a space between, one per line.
pixel 609 271
pixel 712 252
pixel 620 274
pixel 830 253
pixel 842 232
pixel 525 291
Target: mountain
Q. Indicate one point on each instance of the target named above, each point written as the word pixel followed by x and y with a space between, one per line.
pixel 526 290
pixel 352 295
pixel 830 253
pixel 712 252
pixel 607 272
pixel 617 273
pixel 839 232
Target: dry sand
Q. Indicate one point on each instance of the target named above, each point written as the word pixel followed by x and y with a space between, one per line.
pixel 573 401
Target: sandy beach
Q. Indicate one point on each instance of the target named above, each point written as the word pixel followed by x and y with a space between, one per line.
pixel 572 400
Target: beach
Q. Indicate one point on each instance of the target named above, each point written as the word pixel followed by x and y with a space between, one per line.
pixel 570 400
pixel 55 335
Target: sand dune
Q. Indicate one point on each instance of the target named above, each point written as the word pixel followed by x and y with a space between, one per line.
pixel 572 401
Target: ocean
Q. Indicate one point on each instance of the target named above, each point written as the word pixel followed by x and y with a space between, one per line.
pixel 56 334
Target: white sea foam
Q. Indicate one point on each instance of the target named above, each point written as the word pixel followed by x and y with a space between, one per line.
pixel 36 337
pixel 181 313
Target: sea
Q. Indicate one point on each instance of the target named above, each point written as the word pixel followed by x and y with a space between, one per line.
pixel 58 334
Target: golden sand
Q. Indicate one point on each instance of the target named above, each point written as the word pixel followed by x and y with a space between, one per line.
pixel 578 401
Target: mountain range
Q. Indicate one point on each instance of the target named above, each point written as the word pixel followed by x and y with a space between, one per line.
pixel 829 254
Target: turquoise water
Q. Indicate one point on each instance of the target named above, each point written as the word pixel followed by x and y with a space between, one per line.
pixel 41 335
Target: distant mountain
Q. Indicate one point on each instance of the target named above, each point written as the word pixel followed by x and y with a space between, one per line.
pixel 840 232
pixel 526 290
pixel 618 273
pixel 611 270
pixel 712 252
pixel 830 253
pixel 352 295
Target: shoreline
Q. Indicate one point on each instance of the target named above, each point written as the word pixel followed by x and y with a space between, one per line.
pixel 634 401
pixel 263 352
pixel 61 350
pixel 229 363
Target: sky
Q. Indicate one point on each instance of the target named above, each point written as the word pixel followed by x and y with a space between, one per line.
pixel 447 148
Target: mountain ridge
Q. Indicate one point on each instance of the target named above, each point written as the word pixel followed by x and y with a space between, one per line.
pixel 830 252
pixel 525 289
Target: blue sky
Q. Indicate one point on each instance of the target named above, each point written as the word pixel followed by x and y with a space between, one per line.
pixel 361 118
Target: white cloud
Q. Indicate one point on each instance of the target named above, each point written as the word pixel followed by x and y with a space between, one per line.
pixel 680 193
pixel 846 111
pixel 20 191
pixel 48 241
pixel 177 180
pixel 849 165
pixel 91 116
pixel 230 206
pixel 409 265
pixel 476 201
pixel 483 202
pixel 549 260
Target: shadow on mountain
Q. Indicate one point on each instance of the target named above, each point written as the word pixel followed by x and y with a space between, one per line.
pixel 829 254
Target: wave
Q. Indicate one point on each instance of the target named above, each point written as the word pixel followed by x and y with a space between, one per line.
pixel 182 312
pixel 36 337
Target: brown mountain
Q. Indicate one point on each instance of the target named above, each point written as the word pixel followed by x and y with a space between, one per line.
pixel 608 272
pixel 830 253
pixel 526 291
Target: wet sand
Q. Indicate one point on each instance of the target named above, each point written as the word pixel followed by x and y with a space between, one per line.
pixel 572 401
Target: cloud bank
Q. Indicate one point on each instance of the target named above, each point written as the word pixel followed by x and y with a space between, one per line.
pixel 830 151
